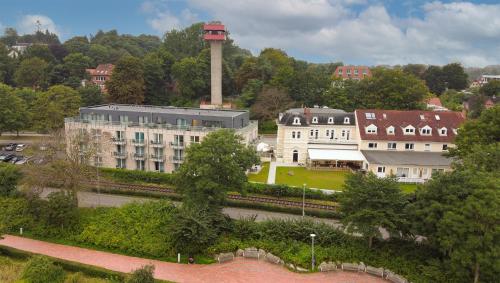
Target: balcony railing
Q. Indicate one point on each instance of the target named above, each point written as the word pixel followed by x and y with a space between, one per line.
pixel 157 143
pixel 138 142
pixel 118 140
pixel 139 156
pixel 158 157
pixel 331 141
pixel 177 144
pixel 177 159
pixel 120 154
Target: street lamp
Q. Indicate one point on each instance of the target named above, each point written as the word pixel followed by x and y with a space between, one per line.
pixel 312 251
pixel 303 200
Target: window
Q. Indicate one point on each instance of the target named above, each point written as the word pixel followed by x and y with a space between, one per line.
pixel 348 71
pixel 443 131
pixel 427 147
pixel 159 167
pixel 370 116
pixel 409 146
pixel 436 170
pixel 390 130
pixel 139 165
pixel 157 138
pixel 315 120
pixel 372 129
pixel 372 145
pixel 340 71
pixel 356 71
pixel 391 145
pixel 143 119
pixel 293 134
pixel 410 130
pixel 316 134
pixel 296 121
pixel 445 147
pixel 194 139
pixel 298 135
pixel 346 120
pixel 120 163
pixel 178 140
pixel 402 172
pixel 330 133
pixel 330 120
pixel 437 117
pixel 364 72
pixel 311 133
pixel 426 131
pixel 139 137
pixel 123 119
pixel 381 169
pixel 346 134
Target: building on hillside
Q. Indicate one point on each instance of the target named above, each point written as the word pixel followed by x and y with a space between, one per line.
pixel 352 72
pixel 100 75
pixel 151 138
pixel 18 49
pixel 318 138
pixel 484 79
pixel 434 103
pixel 408 144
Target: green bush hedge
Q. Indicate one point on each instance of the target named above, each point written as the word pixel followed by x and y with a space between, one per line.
pixel 136 176
pixel 287 191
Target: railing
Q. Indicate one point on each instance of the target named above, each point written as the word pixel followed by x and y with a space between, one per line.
pixel 410 180
pixel 157 157
pixel 152 125
pixel 177 144
pixel 121 154
pixel 139 156
pixel 177 159
pixel 118 140
pixel 156 143
pixel 140 142
pixel 332 141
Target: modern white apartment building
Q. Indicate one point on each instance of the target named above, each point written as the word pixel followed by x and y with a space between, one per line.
pixel 408 144
pixel 152 138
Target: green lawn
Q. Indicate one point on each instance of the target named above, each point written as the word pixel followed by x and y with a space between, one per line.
pixel 333 180
pixel 408 188
pixel 261 177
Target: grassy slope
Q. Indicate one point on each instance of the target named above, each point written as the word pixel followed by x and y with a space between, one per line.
pixel 261 177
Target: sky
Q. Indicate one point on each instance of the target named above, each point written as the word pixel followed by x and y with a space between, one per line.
pixel 366 32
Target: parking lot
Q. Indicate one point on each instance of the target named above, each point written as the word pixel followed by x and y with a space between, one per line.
pixel 14 153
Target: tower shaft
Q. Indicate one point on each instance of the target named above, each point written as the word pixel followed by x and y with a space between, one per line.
pixel 216 72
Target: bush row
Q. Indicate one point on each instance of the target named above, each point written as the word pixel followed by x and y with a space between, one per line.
pixel 136 176
pixel 287 191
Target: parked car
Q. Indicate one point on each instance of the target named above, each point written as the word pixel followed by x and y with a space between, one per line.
pixel 15 159
pixel 10 147
pixel 20 147
pixel 8 157
pixel 2 156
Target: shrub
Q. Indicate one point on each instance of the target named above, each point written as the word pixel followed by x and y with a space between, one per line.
pixel 14 214
pixel 141 229
pixel 287 191
pixel 40 269
pixel 136 176
pixel 142 275
pixel 9 176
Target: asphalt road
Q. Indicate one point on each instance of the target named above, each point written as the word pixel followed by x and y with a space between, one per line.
pixel 91 199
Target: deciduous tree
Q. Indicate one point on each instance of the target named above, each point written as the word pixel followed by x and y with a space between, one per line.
pixel 369 203
pixel 32 72
pixel 9 177
pixel 127 82
pixel 13 112
pixel 52 106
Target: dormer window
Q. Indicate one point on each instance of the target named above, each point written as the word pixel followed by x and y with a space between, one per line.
pixel 346 120
pixel 443 131
pixel 330 120
pixel 390 130
pixel 455 131
pixel 409 130
pixel 372 129
pixel 296 121
pixel 315 120
pixel 426 131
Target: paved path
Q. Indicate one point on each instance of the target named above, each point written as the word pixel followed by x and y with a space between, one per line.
pixel 91 199
pixel 271 177
pixel 239 270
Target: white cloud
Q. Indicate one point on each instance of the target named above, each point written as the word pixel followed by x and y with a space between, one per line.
pixel 162 19
pixel 352 31
pixel 29 24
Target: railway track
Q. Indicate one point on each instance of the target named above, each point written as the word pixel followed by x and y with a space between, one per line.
pixel 254 199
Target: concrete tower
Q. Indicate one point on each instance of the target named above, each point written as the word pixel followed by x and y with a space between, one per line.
pixel 215 33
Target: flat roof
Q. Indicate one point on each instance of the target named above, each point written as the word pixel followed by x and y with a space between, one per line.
pixel 335 154
pixel 406 158
pixel 167 110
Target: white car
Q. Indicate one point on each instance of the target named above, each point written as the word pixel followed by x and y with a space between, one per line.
pixel 20 147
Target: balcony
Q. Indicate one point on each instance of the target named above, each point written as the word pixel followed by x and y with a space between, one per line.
pixel 158 157
pixel 118 141
pixel 120 154
pixel 177 159
pixel 138 142
pixel 177 144
pixel 157 144
pixel 331 141
pixel 139 156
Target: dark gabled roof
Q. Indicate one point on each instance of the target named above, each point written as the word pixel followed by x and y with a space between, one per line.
pixel 400 119
pixel 406 158
pixel 306 116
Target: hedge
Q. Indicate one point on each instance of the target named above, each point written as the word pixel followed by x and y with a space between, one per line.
pixel 136 176
pixel 287 191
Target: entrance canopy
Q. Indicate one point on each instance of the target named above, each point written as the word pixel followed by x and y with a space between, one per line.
pixel 335 154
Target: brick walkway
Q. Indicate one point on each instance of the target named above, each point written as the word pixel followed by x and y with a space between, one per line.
pixel 240 270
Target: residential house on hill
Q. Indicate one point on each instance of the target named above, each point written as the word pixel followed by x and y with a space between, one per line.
pixel 100 75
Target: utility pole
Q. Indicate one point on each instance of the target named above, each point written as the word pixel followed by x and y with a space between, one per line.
pixel 304 200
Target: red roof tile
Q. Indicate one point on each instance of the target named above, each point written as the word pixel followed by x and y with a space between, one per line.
pixel 401 119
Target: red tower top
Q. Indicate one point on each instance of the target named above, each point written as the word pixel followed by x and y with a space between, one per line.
pixel 214 31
